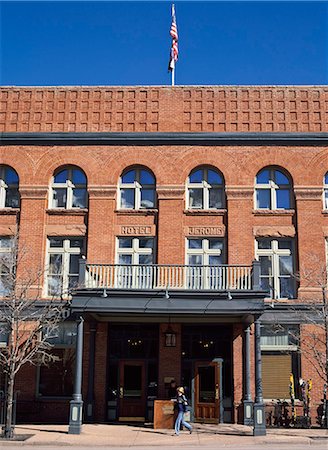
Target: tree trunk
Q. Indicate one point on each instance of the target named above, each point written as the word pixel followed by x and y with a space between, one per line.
pixel 9 426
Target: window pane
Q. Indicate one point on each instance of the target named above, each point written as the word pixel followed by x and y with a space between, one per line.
pixel 125 259
pixel 145 259
pixel 76 243
pixel 213 177
pixel 326 178
pixel 129 177
pixel 125 242
pixel 266 265
pixel 146 177
pixel 195 243
pixel 12 198
pixel 55 283
pixel 78 177
pixel 197 176
pixel 285 265
pixel 57 378
pixel 56 242
pixel 285 244
pixel 147 198
pixel 195 198
pixel 74 264
pixel 146 243
pixel 59 198
pixel 264 244
pixel 283 198
pixel 79 198
pixel 127 198
pixel 215 243
pixel 215 198
pixel 55 264
pixel 61 177
pixel 263 177
pixel 263 198
pixel 6 242
pixel 215 260
pixel 195 260
pixel 287 288
pixel 326 199
pixel 266 285
pixel 11 176
pixel 73 281
pixel 280 178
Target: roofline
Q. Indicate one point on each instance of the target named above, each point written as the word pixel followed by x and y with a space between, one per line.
pixel 166 86
pixel 169 138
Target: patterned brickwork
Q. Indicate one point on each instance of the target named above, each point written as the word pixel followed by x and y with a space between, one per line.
pixel 164 109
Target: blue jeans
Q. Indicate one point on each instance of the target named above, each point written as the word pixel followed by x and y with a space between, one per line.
pixel 180 421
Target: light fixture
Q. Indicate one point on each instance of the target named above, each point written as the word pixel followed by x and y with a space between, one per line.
pixel 167 295
pixel 170 337
pixel 229 295
pixel 104 294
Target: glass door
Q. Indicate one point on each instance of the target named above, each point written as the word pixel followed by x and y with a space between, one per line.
pixel 132 403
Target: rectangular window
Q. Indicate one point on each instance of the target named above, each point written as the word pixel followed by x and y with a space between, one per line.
pixel 205 258
pixel 135 257
pixel 280 358
pixel 277 267
pixel 7 265
pixel 56 378
pixel 63 264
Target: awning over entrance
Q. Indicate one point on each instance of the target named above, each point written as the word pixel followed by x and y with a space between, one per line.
pixel 237 303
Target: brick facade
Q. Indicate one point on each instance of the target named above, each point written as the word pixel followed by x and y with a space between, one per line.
pixel 289 109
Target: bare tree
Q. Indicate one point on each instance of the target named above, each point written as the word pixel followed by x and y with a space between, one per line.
pixel 27 320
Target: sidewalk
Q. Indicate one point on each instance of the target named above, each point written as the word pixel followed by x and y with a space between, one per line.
pixel 130 436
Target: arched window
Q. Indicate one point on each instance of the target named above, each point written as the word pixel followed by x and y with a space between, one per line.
pixel 137 189
pixel 9 195
pixel 325 192
pixel 205 189
pixel 272 190
pixel 69 189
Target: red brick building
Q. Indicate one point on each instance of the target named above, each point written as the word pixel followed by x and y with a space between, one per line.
pixel 156 201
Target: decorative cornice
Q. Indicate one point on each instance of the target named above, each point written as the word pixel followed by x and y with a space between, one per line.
pixel 102 192
pixel 274 231
pixel 170 192
pixel 173 138
pixel 308 192
pixel 33 192
pixel 239 192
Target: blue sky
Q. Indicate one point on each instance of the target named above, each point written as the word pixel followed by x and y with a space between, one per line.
pixel 128 43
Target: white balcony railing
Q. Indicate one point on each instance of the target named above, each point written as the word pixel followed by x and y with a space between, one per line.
pixel 171 277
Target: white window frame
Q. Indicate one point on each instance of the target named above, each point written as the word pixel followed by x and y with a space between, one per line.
pixel 206 187
pixel 135 250
pixel 137 187
pixel 275 252
pixel 325 190
pixel 205 251
pixel 273 190
pixel 66 251
pixel 7 250
pixel 4 186
pixel 69 186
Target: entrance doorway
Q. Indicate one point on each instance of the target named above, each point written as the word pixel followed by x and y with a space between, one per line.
pixel 132 392
pixel 207 392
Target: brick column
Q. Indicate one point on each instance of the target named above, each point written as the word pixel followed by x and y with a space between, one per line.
pixel 311 248
pixel 32 234
pixel 171 245
pixel 239 226
pixel 169 359
pixel 101 217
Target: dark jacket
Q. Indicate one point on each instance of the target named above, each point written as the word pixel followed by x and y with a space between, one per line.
pixel 182 403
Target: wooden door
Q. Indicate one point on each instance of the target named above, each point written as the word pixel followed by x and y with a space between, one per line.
pixel 207 392
pixel 132 403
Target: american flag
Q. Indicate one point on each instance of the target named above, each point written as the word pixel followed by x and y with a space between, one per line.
pixel 174 47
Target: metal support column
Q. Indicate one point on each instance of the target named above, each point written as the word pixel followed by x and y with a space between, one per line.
pixel 259 411
pixel 91 372
pixel 248 403
pixel 76 405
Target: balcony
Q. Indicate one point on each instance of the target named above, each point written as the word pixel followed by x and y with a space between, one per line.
pixel 169 277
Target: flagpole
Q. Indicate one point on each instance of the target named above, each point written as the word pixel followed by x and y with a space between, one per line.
pixel 172 77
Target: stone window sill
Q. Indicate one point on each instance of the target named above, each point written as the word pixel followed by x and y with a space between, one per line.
pixel 136 212
pixel 9 211
pixel 67 212
pixel 273 212
pixel 204 212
